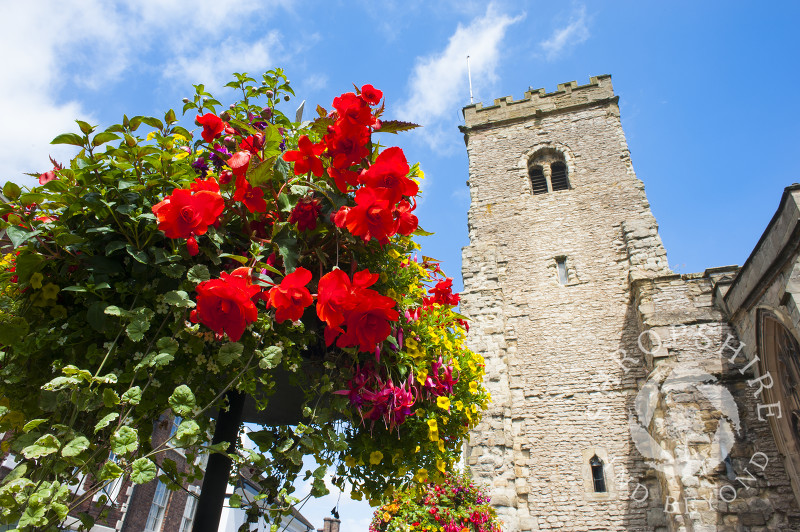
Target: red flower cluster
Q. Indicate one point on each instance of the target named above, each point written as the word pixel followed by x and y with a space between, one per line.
pixel 186 213
pixel 382 208
pixel 225 305
pixel 305 213
pixel 375 399
pixel 442 294
pixel 364 313
pixel 291 297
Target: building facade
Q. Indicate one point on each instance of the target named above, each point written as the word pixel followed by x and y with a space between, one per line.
pixel 626 397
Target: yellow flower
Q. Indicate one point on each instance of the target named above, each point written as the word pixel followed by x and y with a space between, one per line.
pixel 387 517
pixel 36 280
pixel 473 387
pixel 411 343
pixel 440 444
pixel 420 174
pixel 181 155
pixel 416 449
pixel 459 405
pixel 422 475
pixel 443 402
pixel 375 457
pixel 456 365
pixel 432 424
pixel 151 135
pixel 474 409
pixel 50 291
pixel 349 461
pixel 419 412
pixel 440 465
pixel 177 136
pixel 422 376
pixel 391 293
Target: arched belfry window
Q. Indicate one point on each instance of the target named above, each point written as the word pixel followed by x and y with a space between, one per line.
pixel 538 181
pixel 558 176
pixel 598 475
pixel 547 171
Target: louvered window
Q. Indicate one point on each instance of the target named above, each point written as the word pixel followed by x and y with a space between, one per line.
pixel 558 176
pixel 538 181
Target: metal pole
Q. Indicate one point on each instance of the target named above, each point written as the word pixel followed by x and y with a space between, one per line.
pixel 469 75
pixel 218 470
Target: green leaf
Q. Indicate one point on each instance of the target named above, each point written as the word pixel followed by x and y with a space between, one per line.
pixel 152 122
pixel 85 128
pixel 421 232
pixel 44 446
pixel 174 270
pixel 75 447
pixel 229 352
pixel 395 126
pixel 124 441
pixel 187 433
pixel 111 247
pixel 33 516
pixel 136 329
pixel 30 425
pixel 107 419
pixel 113 310
pixel 68 138
pixel 288 249
pixel 270 357
pixel 137 254
pixel 11 190
pixel 235 501
pixel 102 138
pixel 143 470
pixel 178 298
pixel 68 239
pixel 318 488
pixel 167 345
pixel 110 398
pixel 29 198
pixel 182 401
pixel 260 173
pixel 169 117
pixel 133 396
pixel 110 471
pixel 198 273
pixel 19 235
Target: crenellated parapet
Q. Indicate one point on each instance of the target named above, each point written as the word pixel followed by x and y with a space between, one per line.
pixel 539 102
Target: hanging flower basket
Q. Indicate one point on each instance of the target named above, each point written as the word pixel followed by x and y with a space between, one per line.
pixel 162 267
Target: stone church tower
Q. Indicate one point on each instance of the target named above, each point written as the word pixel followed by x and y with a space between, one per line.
pixel 574 307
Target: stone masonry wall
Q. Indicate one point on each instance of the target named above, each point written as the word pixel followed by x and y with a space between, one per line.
pixel 555 352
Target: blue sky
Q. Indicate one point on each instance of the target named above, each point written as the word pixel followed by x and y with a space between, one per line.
pixel 707 90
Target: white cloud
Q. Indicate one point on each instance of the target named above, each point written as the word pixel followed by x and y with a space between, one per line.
pixel 574 33
pixel 57 46
pixel 440 78
pixel 215 63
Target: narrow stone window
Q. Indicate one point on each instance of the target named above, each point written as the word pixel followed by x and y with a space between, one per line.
pixel 558 176
pixel 598 476
pixel 538 180
pixel 561 267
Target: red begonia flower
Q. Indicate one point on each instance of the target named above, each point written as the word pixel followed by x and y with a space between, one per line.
pixel 305 213
pixel 252 197
pixel 346 143
pixel 291 297
pixel 225 305
pixel 205 184
pixel 212 126
pixel 368 323
pixel 183 213
pixel 353 109
pixel 344 179
pixel 252 143
pixel 388 174
pixel 333 298
pixel 407 222
pixel 370 218
pixel 239 162
pixel 306 157
pixel 192 247
pixel 371 95
pixel 442 294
